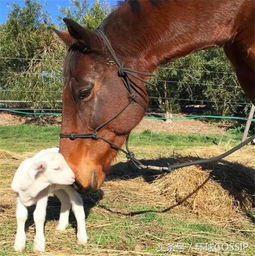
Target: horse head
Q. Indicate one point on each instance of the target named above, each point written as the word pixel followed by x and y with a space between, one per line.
pixel 95 101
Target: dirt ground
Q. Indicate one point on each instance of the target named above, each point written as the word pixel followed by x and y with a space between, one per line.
pixel 175 126
pixel 179 126
pixel 11 119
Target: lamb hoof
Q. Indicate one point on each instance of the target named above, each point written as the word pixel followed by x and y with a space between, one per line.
pixel 20 242
pixel 38 249
pixel 39 246
pixel 19 247
pixel 82 241
pixel 61 227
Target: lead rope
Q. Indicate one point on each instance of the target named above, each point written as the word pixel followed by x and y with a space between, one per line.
pixel 169 168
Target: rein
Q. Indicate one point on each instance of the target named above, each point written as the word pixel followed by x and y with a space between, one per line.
pixel 132 87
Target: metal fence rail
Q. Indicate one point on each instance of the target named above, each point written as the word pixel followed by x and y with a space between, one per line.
pixel 153 116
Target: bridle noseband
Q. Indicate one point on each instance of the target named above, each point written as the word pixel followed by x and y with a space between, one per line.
pixel 132 88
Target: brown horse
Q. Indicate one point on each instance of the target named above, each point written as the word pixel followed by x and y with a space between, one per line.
pixel 143 34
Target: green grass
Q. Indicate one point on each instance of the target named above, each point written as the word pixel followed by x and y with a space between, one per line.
pixel 148 137
pixel 129 231
pixel 29 138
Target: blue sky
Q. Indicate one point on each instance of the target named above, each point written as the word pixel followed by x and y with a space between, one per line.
pixel 50 6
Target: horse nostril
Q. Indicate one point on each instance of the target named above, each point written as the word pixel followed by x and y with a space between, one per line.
pixel 93 182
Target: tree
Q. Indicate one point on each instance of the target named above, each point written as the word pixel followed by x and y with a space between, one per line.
pixel 31 56
pixel 26 42
pixel 90 16
pixel 31 59
pixel 205 77
pixel 21 35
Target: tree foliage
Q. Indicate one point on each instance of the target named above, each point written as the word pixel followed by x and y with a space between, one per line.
pixel 90 16
pixel 21 36
pixel 31 56
pixel 204 78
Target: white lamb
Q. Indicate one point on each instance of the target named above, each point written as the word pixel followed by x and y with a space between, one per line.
pixel 36 177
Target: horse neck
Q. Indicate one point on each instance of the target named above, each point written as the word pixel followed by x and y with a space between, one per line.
pixel 157 33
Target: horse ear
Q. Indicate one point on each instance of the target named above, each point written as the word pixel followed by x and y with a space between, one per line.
pixel 65 37
pixel 80 33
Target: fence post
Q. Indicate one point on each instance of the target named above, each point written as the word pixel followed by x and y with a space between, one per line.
pixel 248 123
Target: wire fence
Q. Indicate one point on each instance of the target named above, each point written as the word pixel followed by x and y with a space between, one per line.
pixel 149 115
pixel 164 68
pixel 26 105
pixel 31 99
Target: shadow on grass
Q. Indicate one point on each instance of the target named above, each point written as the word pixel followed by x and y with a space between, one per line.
pixel 237 179
pixel 90 199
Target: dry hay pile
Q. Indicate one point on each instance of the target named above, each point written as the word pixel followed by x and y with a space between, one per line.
pixel 222 193
pixel 216 198
pixel 6 156
pixel 12 119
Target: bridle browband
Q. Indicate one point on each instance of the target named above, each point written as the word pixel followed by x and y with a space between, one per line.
pixel 132 87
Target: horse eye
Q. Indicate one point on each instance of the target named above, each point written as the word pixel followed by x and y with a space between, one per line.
pixel 84 93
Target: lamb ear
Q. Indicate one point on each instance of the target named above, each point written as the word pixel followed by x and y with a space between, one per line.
pixel 38 166
pixel 65 37
pixel 80 33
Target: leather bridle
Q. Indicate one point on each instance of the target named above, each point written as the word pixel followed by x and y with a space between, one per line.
pixel 133 91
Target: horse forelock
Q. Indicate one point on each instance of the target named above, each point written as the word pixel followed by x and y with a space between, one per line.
pixel 76 47
pixel 75 51
pixel 70 59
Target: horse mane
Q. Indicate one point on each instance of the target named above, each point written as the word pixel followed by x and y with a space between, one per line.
pixel 128 15
pixel 136 5
pixel 140 28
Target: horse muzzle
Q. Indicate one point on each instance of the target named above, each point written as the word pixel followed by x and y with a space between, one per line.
pixel 93 181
